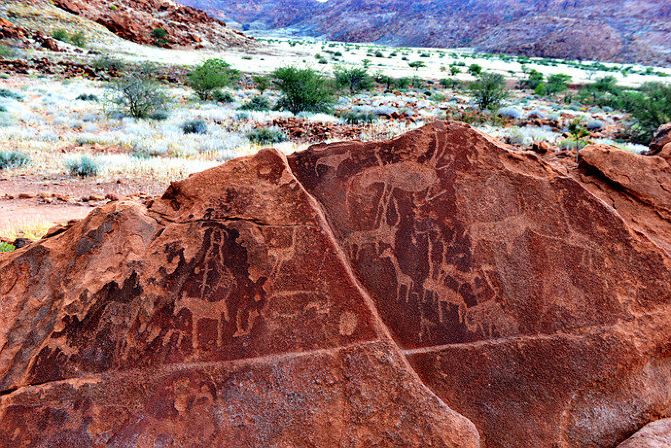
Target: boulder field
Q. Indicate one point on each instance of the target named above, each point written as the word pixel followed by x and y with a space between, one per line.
pixel 437 290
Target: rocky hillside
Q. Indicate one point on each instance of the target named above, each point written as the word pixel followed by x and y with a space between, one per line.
pixel 135 20
pixel 439 289
pixel 609 30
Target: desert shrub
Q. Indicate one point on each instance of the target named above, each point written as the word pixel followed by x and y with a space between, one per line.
pixel 108 64
pixel 6 93
pixel 138 96
pixel 489 90
pixel 303 90
pixel 262 83
pixel 3 108
pixel 87 97
pixel 534 79
pixel 554 85
pixel 379 54
pixel 358 117
pixel 6 247
pixel 222 96
pixel 267 136
pixel 160 37
pixel 212 75
pixel 61 34
pixel 475 70
pixel 510 112
pixel 77 38
pixel 257 103
pixel 8 52
pixel 355 79
pixel 13 159
pixel 650 108
pixel 197 126
pixel 595 125
pixel 83 166
pixel 159 115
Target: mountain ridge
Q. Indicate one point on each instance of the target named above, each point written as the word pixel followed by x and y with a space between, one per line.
pixel 612 30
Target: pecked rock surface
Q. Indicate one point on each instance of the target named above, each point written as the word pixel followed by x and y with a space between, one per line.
pixel 435 290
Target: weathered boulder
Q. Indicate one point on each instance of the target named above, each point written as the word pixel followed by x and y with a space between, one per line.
pixel 661 138
pixel 654 435
pixel 523 300
pixel 435 290
pixel 222 315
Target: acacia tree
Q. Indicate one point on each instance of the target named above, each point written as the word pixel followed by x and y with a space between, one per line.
pixel 303 90
pixel 212 75
pixel 488 90
pixel 355 79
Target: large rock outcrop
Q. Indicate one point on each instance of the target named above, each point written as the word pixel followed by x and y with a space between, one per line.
pixel 435 290
pixel 135 20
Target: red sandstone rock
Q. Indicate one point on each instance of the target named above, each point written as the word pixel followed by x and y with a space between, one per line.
pixel 661 138
pixel 434 290
pixel 136 19
pixel 655 435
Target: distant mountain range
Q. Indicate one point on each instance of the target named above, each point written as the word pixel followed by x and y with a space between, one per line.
pixel 606 30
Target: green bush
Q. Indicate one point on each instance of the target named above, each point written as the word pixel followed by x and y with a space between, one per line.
pixel 303 90
pixel 257 103
pixel 222 96
pixel 138 96
pixel 603 92
pixel 194 127
pixel 262 83
pixel 61 35
pixel 6 247
pixel 13 159
pixel 267 136
pixel 475 69
pixel 108 64
pixel 160 37
pixel 555 84
pixel 489 90
pixel 534 79
pixel 83 166
pixel 351 117
pixel 210 76
pixel 77 38
pixel 355 79
pixel 650 108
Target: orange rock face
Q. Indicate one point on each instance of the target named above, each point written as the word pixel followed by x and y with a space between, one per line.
pixel 435 290
pixel 135 20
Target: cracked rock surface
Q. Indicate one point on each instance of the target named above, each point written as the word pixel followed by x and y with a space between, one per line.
pixel 436 290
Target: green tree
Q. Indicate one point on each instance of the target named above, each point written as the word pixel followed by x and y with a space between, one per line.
pixel 416 64
pixel 303 90
pixel 138 95
pixel 212 75
pixel 454 70
pixel 489 90
pixel 355 79
pixel 557 83
pixel 475 70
